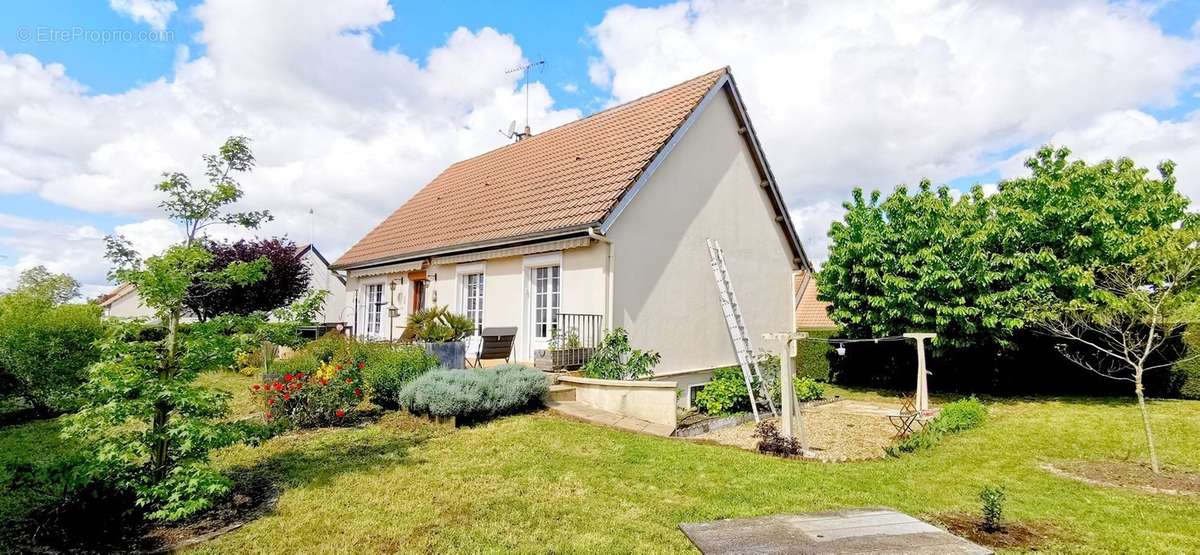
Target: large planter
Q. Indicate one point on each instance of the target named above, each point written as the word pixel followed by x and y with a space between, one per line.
pixel 561 360
pixel 450 354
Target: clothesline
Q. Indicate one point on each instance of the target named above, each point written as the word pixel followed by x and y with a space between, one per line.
pixel 868 340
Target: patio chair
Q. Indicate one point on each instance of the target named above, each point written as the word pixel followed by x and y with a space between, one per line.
pixel 494 344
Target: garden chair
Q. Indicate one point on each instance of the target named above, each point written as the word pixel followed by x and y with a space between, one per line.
pixel 494 344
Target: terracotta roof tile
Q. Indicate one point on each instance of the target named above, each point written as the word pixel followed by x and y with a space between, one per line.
pixel 811 314
pixel 570 176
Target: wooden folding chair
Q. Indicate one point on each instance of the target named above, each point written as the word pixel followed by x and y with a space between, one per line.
pixel 496 343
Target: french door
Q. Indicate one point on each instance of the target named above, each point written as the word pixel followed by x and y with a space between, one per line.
pixel 544 300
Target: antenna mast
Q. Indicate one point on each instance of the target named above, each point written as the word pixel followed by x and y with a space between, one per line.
pixel 525 80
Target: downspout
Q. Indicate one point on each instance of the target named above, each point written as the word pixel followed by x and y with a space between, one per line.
pixel 608 275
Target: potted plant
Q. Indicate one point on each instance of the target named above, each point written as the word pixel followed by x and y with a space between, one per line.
pixel 441 333
pixel 565 352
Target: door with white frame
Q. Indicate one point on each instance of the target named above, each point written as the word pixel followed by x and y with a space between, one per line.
pixel 543 299
pixel 374 307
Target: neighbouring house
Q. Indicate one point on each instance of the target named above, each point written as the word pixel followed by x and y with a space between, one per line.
pixel 811 314
pixel 596 224
pixel 124 301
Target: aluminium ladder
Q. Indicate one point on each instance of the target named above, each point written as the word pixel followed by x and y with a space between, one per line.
pixel 737 328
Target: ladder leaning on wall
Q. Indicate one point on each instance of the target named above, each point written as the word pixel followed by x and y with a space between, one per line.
pixel 737 329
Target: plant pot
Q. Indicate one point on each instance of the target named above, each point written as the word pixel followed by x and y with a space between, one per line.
pixel 561 359
pixel 450 354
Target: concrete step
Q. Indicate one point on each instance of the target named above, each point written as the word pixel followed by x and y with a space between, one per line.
pixel 562 393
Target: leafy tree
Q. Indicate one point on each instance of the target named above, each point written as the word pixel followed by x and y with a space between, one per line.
pixel 40 282
pixel 980 271
pixel 45 347
pixel 286 281
pixel 150 426
pixel 917 262
pixel 1057 229
pixel 1138 309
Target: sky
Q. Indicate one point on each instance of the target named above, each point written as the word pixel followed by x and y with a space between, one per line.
pixel 354 105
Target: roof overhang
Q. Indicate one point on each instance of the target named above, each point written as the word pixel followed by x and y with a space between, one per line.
pixel 726 84
pixel 468 248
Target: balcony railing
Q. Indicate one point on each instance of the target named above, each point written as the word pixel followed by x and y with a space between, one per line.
pixel 575 337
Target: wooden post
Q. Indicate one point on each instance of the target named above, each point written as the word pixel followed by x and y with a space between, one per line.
pixel 793 421
pixel 922 396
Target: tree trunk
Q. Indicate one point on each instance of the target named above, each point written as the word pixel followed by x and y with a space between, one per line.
pixel 1141 397
pixel 162 409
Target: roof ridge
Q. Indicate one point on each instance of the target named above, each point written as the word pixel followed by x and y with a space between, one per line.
pixel 625 104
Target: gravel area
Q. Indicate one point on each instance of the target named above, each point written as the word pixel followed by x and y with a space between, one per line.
pixel 834 436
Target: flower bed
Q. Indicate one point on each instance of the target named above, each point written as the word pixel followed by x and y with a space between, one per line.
pixel 321 397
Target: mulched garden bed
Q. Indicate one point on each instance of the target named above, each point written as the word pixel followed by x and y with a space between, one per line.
pixel 1019 535
pixel 832 436
pixel 1129 475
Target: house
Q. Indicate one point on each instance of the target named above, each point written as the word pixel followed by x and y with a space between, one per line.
pixel 600 222
pixel 124 301
pixel 812 314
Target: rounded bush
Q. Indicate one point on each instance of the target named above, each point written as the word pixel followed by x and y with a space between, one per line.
pixel 474 394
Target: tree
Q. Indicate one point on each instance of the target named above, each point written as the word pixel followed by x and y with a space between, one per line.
pixel 979 270
pixel 1140 309
pixel 286 281
pixel 45 348
pixel 57 288
pixel 150 426
pixel 916 262
pixel 1056 230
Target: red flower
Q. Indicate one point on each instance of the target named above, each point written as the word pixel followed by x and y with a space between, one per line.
pixel 361 366
pixel 286 396
pixel 358 392
pixel 339 367
pixel 287 377
pixel 277 386
pixel 270 401
pixel 340 413
pixel 257 387
pixel 299 375
pixel 324 381
pixel 349 380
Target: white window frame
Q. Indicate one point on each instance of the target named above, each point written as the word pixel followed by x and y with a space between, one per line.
pixel 691 393
pixel 368 304
pixel 553 297
pixel 464 275
pixel 529 265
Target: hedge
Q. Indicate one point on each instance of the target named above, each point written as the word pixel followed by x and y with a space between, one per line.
pixel 1188 372
pixel 812 357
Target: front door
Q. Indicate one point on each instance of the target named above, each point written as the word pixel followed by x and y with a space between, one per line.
pixel 418 296
pixel 543 303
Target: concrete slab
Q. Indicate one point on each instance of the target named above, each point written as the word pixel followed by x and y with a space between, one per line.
pixel 875 531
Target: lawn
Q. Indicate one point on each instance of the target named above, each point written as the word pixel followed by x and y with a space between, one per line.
pixel 540 483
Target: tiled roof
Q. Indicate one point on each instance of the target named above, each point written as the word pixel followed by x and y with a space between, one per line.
pixel 568 177
pixel 811 314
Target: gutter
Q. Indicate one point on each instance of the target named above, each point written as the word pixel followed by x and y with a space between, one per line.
pixel 608 274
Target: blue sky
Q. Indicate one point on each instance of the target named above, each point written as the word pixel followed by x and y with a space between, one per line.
pixel 872 95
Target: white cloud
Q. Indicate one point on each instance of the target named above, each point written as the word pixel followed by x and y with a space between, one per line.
pixel 867 94
pixel 1136 134
pixel 337 125
pixel 155 13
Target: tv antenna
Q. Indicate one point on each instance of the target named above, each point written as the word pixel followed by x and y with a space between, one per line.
pixel 512 127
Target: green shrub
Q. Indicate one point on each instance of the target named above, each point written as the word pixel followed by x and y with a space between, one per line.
pixel 725 394
pixel 991 500
pixel 474 394
pixel 389 369
pixel 954 417
pixel 325 347
pixel 812 357
pixel 299 363
pixel 45 350
pixel 616 359
pixel 960 415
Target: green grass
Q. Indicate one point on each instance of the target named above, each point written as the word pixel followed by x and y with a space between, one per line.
pixel 537 483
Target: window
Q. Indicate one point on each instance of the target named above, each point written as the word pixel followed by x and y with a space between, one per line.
pixel 375 304
pixel 545 301
pixel 692 391
pixel 471 303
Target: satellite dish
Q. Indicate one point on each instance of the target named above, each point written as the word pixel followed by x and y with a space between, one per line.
pixel 512 127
